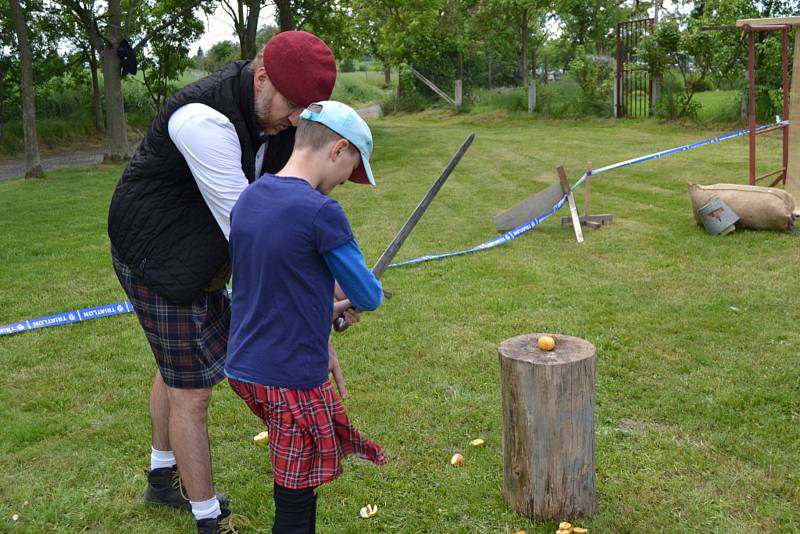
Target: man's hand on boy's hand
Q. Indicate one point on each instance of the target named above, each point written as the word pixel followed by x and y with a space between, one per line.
pixel 343 307
pixel 336 371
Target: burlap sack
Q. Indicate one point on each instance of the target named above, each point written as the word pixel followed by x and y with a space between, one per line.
pixel 759 208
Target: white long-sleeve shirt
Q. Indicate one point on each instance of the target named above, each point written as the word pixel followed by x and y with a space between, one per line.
pixel 208 142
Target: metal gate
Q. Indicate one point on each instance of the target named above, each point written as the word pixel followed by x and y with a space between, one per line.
pixel 633 87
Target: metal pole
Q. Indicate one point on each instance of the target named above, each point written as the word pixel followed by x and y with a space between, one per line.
pixel 751 75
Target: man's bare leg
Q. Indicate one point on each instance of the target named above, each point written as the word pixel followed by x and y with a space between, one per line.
pixel 159 414
pixel 188 434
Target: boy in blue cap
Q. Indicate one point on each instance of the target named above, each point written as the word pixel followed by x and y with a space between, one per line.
pixel 290 243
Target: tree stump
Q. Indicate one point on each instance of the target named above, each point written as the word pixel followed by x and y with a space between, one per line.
pixel 548 426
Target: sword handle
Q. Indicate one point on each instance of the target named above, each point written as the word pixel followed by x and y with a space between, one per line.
pixel 340 324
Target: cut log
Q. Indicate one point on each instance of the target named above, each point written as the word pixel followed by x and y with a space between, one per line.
pixel 548 426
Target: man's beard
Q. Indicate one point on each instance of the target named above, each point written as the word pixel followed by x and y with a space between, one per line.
pixel 264 116
pixel 263 107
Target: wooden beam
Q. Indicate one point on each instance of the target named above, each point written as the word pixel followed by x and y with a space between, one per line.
pixel 592 221
pixel 433 87
pixel 573 210
pixel 531 207
pixel 792 184
pixel 781 21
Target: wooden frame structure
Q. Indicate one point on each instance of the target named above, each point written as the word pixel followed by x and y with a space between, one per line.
pixel 791 105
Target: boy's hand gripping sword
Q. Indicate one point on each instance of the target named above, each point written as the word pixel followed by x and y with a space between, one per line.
pixel 341 324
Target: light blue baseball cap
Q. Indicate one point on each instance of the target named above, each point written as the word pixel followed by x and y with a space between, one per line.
pixel 344 120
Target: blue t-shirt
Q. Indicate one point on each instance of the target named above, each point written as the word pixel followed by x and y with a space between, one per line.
pixel 282 287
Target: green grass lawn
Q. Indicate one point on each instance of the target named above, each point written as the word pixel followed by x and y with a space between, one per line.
pixel 718 106
pixel 698 384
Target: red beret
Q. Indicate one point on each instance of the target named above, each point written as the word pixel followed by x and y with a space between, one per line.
pixel 300 66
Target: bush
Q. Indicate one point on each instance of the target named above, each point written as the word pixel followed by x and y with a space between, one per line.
pixel 769 102
pixel 137 99
pixel 506 99
pixel 560 99
pixel 593 74
pixel 409 102
pixel 353 90
pixel 675 102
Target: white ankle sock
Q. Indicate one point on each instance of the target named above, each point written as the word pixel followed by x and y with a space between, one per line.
pixel 206 509
pixel 159 459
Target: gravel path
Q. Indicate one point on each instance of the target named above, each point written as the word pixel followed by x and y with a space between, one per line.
pixel 14 168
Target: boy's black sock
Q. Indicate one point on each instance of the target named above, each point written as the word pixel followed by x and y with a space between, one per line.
pixel 295 510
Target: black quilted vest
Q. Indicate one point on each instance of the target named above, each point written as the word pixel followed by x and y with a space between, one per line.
pixel 158 222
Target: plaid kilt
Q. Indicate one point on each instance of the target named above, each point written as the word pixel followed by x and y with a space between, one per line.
pixel 309 433
pixel 189 341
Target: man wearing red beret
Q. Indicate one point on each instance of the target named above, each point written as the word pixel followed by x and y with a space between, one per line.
pixel 169 223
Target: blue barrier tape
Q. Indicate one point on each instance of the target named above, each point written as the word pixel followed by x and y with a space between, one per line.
pixel 118 308
pixel 74 316
pixel 505 238
pixel 530 225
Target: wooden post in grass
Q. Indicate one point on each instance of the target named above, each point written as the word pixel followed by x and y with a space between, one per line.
pixel 532 95
pixel 548 426
pixel 573 210
pixel 592 221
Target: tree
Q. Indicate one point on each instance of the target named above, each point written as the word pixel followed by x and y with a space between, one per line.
pixel 397 31
pixel 690 53
pixel 728 47
pixel 298 14
pixel 33 164
pixel 165 58
pixel 265 34
pixel 528 18
pixel 106 26
pixel 221 54
pixel 244 14
pixel 9 71
pixel 591 24
pixel 84 53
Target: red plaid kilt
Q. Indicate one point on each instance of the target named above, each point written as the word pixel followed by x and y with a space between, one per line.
pixel 189 341
pixel 309 433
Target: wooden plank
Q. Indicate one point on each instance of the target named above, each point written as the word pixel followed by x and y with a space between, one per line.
pixel 771 129
pixel 793 172
pixel 531 207
pixel 790 21
pixel 433 87
pixel 592 221
pixel 573 210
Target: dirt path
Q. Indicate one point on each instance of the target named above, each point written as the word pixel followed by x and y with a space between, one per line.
pixel 15 168
pixel 370 112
